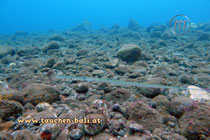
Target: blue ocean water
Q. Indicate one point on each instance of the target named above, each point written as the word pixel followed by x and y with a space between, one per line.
pixel 41 15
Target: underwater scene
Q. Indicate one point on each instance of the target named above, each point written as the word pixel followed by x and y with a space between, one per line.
pixel 104 70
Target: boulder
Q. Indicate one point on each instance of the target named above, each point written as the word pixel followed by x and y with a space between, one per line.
pixel 133 25
pixel 27 51
pixel 119 95
pixel 11 94
pixel 121 70
pixel 197 93
pixel 37 93
pixel 81 88
pixel 51 46
pixel 152 92
pixel 195 122
pixel 178 105
pixel 6 50
pixel 51 62
pixel 161 101
pixel 144 115
pixel 10 109
pixel 204 37
pixel 56 38
pixel 129 53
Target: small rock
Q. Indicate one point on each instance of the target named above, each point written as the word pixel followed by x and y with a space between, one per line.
pixel 69 115
pixel 75 134
pixel 82 52
pixel 105 87
pixel 81 88
pixel 70 61
pixel 99 103
pixel 121 109
pixel 29 106
pixel 134 138
pixel 43 106
pixel 25 52
pixel 121 133
pixel 115 125
pixel 98 73
pixel 50 63
pixel 12 64
pixel 171 124
pixel 204 37
pixel 186 79
pixel 177 137
pixel 81 97
pixel 49 130
pixel 63 135
pixel 112 64
pixel 94 128
pixel 5 61
pixel 161 100
pixel 59 66
pixel 152 92
pixel 134 127
pixel 168 135
pixel 104 136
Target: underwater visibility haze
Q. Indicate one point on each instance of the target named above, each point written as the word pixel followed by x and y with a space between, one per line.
pixel 39 15
pixel 96 70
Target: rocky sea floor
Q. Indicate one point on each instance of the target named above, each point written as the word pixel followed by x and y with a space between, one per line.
pixel 30 62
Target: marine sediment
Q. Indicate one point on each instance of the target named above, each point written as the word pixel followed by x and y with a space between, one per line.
pixel 142 83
